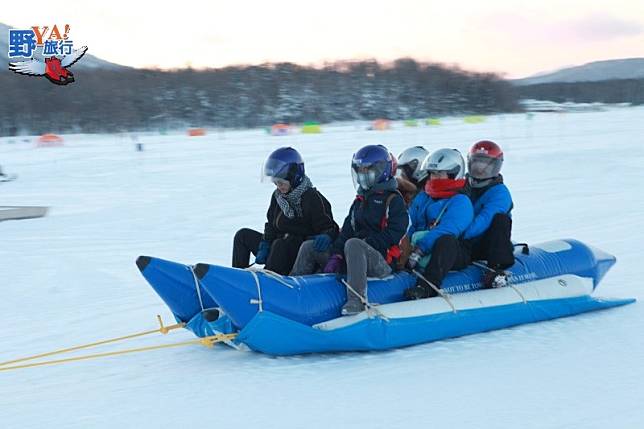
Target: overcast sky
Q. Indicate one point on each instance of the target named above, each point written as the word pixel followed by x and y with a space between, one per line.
pixel 510 37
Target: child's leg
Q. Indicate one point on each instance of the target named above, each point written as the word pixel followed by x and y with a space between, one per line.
pixel 499 249
pixel 283 254
pixel 448 254
pixel 246 241
pixel 308 259
pixel 362 260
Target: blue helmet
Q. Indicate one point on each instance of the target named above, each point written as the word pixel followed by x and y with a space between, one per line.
pixel 370 165
pixel 287 164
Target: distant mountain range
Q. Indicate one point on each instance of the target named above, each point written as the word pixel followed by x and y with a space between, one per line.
pixel 88 61
pixel 629 68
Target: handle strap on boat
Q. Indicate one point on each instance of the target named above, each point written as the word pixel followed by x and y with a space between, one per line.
pixel 525 249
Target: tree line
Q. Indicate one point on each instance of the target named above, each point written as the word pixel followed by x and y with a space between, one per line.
pixel 253 96
pixel 248 96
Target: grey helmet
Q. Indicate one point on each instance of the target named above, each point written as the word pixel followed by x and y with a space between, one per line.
pixel 410 163
pixel 449 160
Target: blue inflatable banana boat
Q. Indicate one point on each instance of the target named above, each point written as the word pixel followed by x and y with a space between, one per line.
pixel 285 315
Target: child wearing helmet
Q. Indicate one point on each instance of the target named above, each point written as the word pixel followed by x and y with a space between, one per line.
pixel 368 242
pixel 444 214
pixel 410 176
pixel 411 180
pixel 488 236
pixel 297 212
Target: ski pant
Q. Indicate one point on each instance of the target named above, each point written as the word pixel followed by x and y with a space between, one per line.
pixel 494 245
pixel 363 261
pixel 280 258
pixel 448 253
pixel 309 260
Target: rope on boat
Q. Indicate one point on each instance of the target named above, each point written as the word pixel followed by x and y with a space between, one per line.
pixel 257 301
pixel 275 276
pixel 272 274
pixel 508 274
pixel 438 290
pixel 370 308
pixel 194 276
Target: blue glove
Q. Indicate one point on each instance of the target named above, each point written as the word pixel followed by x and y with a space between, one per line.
pixel 322 242
pixel 262 252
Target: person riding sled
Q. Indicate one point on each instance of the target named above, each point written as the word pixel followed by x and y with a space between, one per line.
pixel 435 230
pixel 368 241
pixel 410 176
pixel 488 237
pixel 297 212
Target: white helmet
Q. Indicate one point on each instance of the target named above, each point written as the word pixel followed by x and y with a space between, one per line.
pixel 410 163
pixel 449 160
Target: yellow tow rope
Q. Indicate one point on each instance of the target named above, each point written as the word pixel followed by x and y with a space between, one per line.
pixel 206 341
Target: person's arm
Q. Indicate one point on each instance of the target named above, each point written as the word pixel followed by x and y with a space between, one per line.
pixel 397 224
pixel 407 189
pixel 346 233
pixel 455 220
pixel 416 214
pixel 270 233
pixel 496 200
pixel 322 216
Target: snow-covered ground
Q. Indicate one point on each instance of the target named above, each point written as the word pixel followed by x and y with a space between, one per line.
pixel 70 278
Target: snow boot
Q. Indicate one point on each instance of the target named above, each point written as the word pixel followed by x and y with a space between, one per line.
pixel 353 305
pixel 420 291
pixel 495 278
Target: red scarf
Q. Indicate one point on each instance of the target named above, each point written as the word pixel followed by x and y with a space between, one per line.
pixel 443 188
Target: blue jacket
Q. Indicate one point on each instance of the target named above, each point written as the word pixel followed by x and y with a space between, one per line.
pixel 492 201
pixel 455 219
pixel 417 213
pixel 365 217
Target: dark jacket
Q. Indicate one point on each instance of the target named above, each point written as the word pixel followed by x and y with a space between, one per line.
pixel 365 221
pixel 317 218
